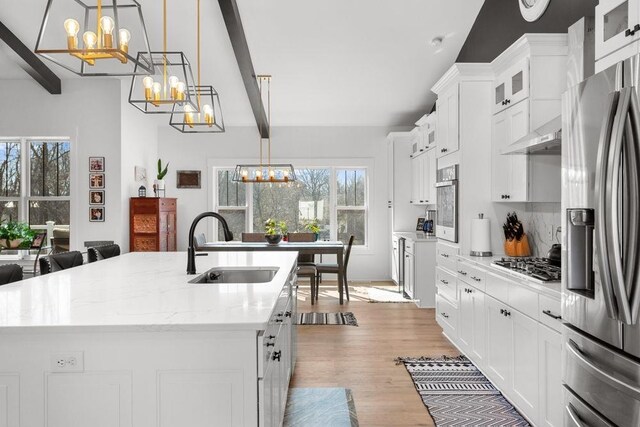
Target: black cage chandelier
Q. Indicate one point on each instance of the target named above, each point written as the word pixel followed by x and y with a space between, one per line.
pixel 265 172
pixel 207 117
pixel 95 37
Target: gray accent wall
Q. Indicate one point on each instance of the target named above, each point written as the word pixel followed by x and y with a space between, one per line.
pixel 500 23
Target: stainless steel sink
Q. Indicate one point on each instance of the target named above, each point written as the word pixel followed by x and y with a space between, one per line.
pixel 237 275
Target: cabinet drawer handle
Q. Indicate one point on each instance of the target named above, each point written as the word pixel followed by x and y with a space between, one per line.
pixel 445 315
pixel 444 255
pixel 464 273
pixel 276 355
pixel 502 310
pixel 444 281
pixel 553 316
pixel 270 344
pixel 477 279
pixel 507 313
pixel 287 314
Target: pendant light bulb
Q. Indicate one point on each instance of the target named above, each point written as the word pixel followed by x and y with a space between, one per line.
pixel 107 25
pixel 188 115
pixel 180 86
pixel 147 82
pixel 90 39
pixel 157 88
pixel 173 85
pixel 208 114
pixel 71 26
pixel 124 36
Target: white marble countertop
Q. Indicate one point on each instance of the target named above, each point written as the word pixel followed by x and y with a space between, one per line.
pixel 552 289
pixel 416 236
pixel 145 291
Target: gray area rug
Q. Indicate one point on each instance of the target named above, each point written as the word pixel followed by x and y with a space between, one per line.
pixel 320 407
pixel 347 319
pixel 456 393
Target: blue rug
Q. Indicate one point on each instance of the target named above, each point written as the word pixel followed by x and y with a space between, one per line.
pixel 456 393
pixel 320 407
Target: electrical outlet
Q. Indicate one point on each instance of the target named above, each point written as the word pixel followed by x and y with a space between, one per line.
pixel 72 361
pixel 551 230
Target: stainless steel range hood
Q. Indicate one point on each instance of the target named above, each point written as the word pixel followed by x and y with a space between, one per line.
pixel 544 140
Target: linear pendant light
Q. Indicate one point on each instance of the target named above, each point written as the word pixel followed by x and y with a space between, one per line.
pixel 209 118
pixel 168 87
pixel 112 29
pixel 265 172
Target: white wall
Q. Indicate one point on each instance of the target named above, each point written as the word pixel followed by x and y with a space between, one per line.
pixel 95 115
pixel 294 144
pixel 88 112
pixel 139 148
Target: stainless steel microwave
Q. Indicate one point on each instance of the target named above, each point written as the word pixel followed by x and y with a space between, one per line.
pixel 447 204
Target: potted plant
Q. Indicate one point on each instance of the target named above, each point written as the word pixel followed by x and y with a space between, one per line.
pixel 159 182
pixel 284 230
pixel 15 234
pixel 272 231
pixel 311 225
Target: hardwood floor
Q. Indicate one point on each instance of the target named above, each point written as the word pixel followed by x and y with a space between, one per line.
pixel 361 358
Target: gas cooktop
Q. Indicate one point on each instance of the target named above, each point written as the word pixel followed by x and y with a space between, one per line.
pixel 538 269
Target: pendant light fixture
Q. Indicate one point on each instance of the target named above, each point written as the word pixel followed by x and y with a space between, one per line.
pixel 209 118
pixel 94 37
pixel 168 87
pixel 265 172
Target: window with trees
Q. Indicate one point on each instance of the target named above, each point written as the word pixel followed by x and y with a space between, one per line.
pixel 335 197
pixel 35 181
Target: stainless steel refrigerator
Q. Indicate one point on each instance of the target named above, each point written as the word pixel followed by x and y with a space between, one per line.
pixel 601 251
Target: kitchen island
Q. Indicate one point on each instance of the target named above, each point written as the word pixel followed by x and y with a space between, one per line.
pixel 129 342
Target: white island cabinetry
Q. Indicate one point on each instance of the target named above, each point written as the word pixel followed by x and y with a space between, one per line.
pixel 419 268
pixel 129 342
pixel 510 328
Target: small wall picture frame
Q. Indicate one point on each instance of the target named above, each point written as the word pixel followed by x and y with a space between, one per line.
pixel 96 214
pixel 96 164
pixel 188 179
pixel 96 197
pixel 140 173
pixel 96 180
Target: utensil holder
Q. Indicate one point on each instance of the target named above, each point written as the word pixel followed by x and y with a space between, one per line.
pixel 517 248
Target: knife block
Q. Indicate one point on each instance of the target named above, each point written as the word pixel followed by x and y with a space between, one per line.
pixel 517 248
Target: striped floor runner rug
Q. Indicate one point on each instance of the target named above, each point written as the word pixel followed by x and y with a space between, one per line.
pixel 456 393
pixel 347 319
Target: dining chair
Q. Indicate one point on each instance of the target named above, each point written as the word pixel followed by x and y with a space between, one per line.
pixel 60 261
pixel 102 252
pixel 306 262
pixel 304 238
pixel 335 269
pixel 253 237
pixel 309 270
pixel 10 273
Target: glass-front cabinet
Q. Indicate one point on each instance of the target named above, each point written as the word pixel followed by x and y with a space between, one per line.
pixel 512 86
pixel 617 25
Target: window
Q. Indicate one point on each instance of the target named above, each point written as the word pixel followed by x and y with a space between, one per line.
pixel 337 198
pixel 35 181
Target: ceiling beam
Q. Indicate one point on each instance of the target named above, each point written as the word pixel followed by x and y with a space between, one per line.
pixel 29 62
pixel 232 20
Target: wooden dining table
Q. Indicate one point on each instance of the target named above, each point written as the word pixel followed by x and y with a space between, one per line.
pixel 319 247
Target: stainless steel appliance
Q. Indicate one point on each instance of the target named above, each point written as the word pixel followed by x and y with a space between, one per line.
pixel 398 259
pixel 600 251
pixel 536 269
pixel 447 204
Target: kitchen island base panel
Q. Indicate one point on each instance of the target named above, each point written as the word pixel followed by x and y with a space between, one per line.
pixel 140 379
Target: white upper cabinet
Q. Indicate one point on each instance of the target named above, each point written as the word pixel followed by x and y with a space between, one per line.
pixel 617 25
pixel 511 86
pixel 530 79
pixel 448 115
pixel 423 178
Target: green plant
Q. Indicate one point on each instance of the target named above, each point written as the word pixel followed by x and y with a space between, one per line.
pixel 17 230
pixel 273 227
pixel 311 225
pixel 162 172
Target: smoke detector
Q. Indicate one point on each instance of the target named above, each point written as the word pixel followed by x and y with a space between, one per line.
pixel 437 41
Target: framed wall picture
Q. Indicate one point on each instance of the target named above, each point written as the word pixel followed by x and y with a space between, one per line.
pixel 96 180
pixel 96 214
pixel 96 164
pixel 96 197
pixel 188 179
pixel 140 173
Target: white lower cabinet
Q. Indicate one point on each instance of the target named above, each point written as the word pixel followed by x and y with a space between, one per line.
pixel 503 327
pixel 524 372
pixel 471 330
pixel 550 385
pixel 409 272
pixel 499 343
